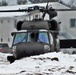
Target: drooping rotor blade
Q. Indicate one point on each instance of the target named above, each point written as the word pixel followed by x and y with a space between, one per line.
pixel 28 9
pixel 20 10
pixel 47 5
pixel 65 9
pixel 43 15
pixel 46 10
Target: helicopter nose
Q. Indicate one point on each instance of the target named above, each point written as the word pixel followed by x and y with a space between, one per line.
pixel 28 49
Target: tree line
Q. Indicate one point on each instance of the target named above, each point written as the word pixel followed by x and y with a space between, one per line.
pixel 41 1
pixel 20 2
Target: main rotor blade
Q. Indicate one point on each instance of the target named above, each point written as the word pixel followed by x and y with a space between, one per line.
pixel 29 9
pixel 19 10
pixel 43 15
pixel 47 6
pixel 65 9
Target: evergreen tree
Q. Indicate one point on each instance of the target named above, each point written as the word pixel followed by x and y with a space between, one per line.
pixel 21 2
pixel 3 3
pixel 0 3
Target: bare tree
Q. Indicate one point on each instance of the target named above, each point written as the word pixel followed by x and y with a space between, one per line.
pixel 71 3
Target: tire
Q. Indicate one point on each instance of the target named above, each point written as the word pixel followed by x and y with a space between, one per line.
pixel 74 52
pixel 11 59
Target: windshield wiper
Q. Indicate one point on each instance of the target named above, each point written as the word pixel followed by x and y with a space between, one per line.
pixel 42 41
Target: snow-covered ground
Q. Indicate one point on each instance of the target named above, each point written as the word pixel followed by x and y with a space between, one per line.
pixel 44 64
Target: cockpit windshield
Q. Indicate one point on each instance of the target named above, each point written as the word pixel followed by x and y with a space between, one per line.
pixel 20 37
pixel 43 37
pixel 31 37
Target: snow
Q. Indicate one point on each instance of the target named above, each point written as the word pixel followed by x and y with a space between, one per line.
pixel 44 64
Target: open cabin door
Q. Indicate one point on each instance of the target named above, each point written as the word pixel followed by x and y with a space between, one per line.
pixel 67 43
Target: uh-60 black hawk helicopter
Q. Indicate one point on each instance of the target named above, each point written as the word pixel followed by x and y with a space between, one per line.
pixel 35 36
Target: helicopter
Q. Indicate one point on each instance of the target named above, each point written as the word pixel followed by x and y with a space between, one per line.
pixel 36 36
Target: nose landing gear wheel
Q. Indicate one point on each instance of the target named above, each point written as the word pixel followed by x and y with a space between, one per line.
pixel 11 59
